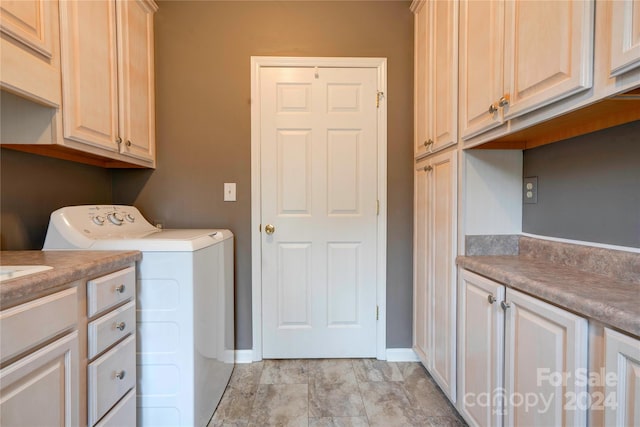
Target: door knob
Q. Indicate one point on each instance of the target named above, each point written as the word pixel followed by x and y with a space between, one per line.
pixel 269 229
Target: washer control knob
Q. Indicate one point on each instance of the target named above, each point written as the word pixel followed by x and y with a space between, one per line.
pixel 115 218
pixel 130 217
pixel 98 220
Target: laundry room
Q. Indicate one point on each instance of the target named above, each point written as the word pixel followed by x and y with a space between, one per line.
pixel 180 142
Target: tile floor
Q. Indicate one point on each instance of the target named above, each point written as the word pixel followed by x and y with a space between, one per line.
pixel 333 392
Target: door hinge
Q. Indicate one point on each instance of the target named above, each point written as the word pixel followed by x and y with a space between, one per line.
pixel 378 207
pixel 260 228
pixel 379 95
pixel 377 313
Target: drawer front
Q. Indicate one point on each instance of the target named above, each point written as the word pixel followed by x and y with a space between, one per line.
pixel 28 325
pixel 110 377
pixel 110 290
pixel 123 414
pixel 110 328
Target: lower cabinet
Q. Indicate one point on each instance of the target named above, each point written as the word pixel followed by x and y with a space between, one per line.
pixel 39 350
pixel 71 355
pixel 41 389
pixel 520 358
pixel 111 349
pixel 621 400
pixel 434 338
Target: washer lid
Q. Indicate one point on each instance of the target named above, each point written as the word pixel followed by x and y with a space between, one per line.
pixel 187 240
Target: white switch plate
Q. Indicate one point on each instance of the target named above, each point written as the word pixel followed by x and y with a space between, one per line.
pixel 530 190
pixel 229 191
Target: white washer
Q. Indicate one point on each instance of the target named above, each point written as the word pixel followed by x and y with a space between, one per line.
pixel 185 307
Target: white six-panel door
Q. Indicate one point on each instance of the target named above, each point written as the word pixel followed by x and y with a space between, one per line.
pixel 318 130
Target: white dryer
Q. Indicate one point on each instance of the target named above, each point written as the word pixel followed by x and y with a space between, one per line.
pixel 185 307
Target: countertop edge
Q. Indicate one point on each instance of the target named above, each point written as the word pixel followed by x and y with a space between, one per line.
pixel 24 289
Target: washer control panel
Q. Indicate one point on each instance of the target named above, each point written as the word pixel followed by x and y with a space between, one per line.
pixel 107 221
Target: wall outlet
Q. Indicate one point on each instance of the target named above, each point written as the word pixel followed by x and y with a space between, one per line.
pixel 530 190
pixel 229 191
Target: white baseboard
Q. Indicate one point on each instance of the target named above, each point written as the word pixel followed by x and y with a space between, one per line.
pixel 393 355
pixel 401 355
pixel 244 356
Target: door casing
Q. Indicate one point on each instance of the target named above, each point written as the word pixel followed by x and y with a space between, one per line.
pixel 257 63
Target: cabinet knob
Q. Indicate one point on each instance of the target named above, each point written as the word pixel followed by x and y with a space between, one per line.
pixel 491 299
pixel 505 305
pixel 120 289
pixel 120 326
pixel 120 375
pixel 492 108
pixel 428 168
pixel 128 143
pixel 428 142
pixel 504 101
pixel 118 140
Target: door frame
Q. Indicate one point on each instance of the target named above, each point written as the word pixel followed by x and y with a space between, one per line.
pixel 257 63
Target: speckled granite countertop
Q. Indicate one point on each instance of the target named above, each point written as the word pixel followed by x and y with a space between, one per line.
pixel 599 284
pixel 68 266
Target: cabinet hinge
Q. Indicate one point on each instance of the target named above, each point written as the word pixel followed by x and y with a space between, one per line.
pixel 379 96
pixel 377 313
pixel 378 207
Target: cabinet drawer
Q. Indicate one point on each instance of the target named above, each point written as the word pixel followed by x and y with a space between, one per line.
pixel 110 377
pixel 123 414
pixel 110 290
pixel 28 325
pixel 108 329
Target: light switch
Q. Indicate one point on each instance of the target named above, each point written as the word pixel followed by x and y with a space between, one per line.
pixel 229 191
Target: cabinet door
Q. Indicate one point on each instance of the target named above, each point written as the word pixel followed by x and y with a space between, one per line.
pixel 549 52
pixel 41 389
pixel 443 66
pixel 89 72
pixel 137 111
pixel 481 60
pixel 442 252
pixel 422 43
pixel 29 55
pixel 543 345
pixel 422 294
pixel 625 36
pixel 481 349
pixel 623 364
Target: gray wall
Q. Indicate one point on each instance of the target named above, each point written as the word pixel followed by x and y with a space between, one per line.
pixel 203 51
pixel 588 187
pixel 31 187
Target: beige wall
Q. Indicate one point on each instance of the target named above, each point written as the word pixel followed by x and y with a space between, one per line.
pixel 203 52
pixel 31 187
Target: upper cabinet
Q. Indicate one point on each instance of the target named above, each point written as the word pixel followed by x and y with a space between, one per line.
pixel 481 66
pixel 90 72
pixel 136 95
pixel 104 113
pixel 516 57
pixel 625 38
pixel 548 53
pixel 29 50
pixel 617 57
pixel 436 61
pixel 549 74
pixel 107 75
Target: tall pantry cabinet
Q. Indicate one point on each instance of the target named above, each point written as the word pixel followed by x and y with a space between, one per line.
pixel 435 189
